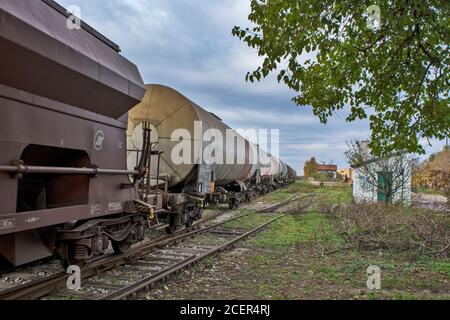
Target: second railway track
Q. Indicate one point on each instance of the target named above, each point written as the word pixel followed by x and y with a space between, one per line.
pixel 127 275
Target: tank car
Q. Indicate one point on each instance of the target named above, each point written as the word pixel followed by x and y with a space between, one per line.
pixel 170 114
pixel 291 174
pixel 222 180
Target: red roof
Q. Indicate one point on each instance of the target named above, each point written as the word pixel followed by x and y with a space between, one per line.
pixel 326 167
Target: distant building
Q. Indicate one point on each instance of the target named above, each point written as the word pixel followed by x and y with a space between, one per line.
pixel 328 169
pixel 346 174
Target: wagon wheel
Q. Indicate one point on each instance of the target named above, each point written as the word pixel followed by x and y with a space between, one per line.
pixel 234 204
pixel 66 252
pixel 189 223
pixel 171 229
pixel 121 246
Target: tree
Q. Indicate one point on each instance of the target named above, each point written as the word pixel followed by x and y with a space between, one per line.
pixel 394 171
pixel 310 168
pixel 417 172
pixel 334 54
pixel 435 172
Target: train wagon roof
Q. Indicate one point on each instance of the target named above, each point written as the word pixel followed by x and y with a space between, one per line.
pixel 83 24
pixel 42 53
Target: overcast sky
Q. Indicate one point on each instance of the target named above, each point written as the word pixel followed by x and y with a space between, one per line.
pixel 187 45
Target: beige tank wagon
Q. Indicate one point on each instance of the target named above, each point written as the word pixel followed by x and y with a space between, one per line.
pixel 167 111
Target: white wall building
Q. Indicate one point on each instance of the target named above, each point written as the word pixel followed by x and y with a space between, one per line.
pixel 383 180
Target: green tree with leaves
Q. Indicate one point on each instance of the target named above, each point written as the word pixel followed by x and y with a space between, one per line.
pixel 310 168
pixel 386 60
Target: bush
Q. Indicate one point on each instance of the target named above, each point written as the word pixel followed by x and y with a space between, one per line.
pixel 380 226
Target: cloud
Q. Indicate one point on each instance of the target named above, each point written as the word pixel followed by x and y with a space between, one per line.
pixel 187 44
pixel 257 118
pixel 317 147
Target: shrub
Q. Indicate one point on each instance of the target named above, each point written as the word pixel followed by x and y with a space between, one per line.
pixel 380 226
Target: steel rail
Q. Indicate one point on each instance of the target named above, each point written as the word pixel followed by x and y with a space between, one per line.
pixel 42 287
pixel 147 283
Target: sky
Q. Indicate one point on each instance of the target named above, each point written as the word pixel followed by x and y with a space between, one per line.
pixel 187 45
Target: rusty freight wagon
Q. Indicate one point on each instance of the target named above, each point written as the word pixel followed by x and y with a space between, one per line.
pixel 64 98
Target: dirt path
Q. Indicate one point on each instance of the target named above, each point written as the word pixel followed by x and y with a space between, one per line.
pixel 429 201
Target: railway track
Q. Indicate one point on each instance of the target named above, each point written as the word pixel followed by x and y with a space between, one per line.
pixel 10 277
pixel 123 276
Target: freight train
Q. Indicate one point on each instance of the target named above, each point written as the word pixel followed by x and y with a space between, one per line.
pixel 87 149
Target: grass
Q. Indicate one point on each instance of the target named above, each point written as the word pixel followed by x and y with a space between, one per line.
pixel 291 230
pixel 250 221
pixel 299 186
pixel 329 196
pixel 402 278
pixel 343 274
pixel 430 191
pixel 283 263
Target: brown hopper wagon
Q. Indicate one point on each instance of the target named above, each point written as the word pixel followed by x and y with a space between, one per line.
pixel 64 98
